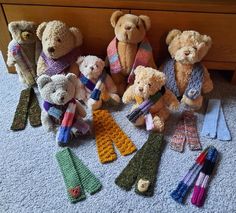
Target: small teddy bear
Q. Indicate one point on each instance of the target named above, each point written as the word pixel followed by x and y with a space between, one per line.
pixel 24 50
pixel 186 76
pixel 60 48
pixel 60 108
pixel 94 79
pixel 129 48
pixel 151 97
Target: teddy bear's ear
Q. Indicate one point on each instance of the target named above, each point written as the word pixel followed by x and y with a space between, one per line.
pixel 115 17
pixel 161 78
pixel 43 80
pixel 147 21
pixel 207 40
pixel 171 35
pixel 138 69
pixel 80 60
pixel 13 27
pixel 40 29
pixel 72 78
pixel 77 35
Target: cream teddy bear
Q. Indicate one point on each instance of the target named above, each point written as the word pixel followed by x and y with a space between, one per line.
pixel 58 93
pixel 129 48
pixel 149 86
pixel 95 85
pixel 60 48
pixel 187 77
pixel 24 50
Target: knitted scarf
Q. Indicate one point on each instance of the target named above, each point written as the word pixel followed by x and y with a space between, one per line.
pixel 194 87
pixel 28 69
pixel 94 88
pixel 60 65
pixel 66 118
pixel 144 107
pixel 77 177
pixel 142 57
pixel 202 169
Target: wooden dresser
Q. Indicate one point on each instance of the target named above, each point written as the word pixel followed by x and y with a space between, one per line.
pixel 216 18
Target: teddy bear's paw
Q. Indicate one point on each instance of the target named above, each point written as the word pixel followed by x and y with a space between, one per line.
pixel 158 124
pixel 174 106
pixel 192 104
pixel 140 121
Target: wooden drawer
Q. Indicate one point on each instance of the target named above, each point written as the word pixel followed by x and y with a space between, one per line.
pixel 93 23
pixel 221 27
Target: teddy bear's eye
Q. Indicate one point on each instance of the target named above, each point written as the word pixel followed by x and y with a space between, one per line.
pixel 194 47
pixel 149 85
pixel 138 82
pixel 86 65
pixel 46 39
pixel 59 40
pixel 119 25
pixel 96 65
pixel 53 91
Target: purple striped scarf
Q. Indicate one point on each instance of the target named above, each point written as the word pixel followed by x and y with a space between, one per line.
pixel 60 65
pixel 142 57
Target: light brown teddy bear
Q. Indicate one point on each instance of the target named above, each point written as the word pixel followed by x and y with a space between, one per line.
pixel 129 48
pixel 24 50
pixel 60 48
pixel 187 78
pixel 151 97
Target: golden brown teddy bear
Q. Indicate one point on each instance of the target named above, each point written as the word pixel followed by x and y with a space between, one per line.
pixel 149 85
pixel 60 45
pixel 186 76
pixel 129 48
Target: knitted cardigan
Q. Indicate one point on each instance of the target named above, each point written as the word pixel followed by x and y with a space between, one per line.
pixel 194 87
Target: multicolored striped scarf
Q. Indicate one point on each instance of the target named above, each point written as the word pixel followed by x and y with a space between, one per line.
pixel 60 65
pixel 142 57
pixel 194 87
pixel 65 115
pixel 29 69
pixel 144 107
pixel 94 88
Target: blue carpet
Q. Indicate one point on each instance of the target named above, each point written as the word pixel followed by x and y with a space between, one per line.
pixel 30 180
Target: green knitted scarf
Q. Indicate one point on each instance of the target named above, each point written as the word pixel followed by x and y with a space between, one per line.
pixel 77 177
pixel 143 166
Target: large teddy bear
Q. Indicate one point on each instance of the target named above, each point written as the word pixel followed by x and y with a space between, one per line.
pixel 60 48
pixel 129 48
pixel 60 108
pixel 149 90
pixel 187 77
pixel 24 50
pixel 95 85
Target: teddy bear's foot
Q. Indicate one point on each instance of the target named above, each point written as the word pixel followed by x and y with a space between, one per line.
pixel 93 104
pixel 115 98
pixel 158 124
pixel 140 121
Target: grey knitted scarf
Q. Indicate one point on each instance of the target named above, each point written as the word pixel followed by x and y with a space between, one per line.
pixel 194 87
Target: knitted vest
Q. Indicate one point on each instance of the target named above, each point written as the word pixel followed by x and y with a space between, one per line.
pixel 194 87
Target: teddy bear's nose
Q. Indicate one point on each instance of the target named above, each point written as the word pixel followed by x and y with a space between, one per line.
pixel 140 89
pixel 127 27
pixel 187 52
pixel 51 49
pixel 62 98
pixel 91 68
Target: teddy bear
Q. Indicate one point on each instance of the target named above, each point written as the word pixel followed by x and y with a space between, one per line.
pixel 62 113
pixel 60 45
pixel 129 48
pixel 95 85
pixel 186 76
pixel 152 99
pixel 24 50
